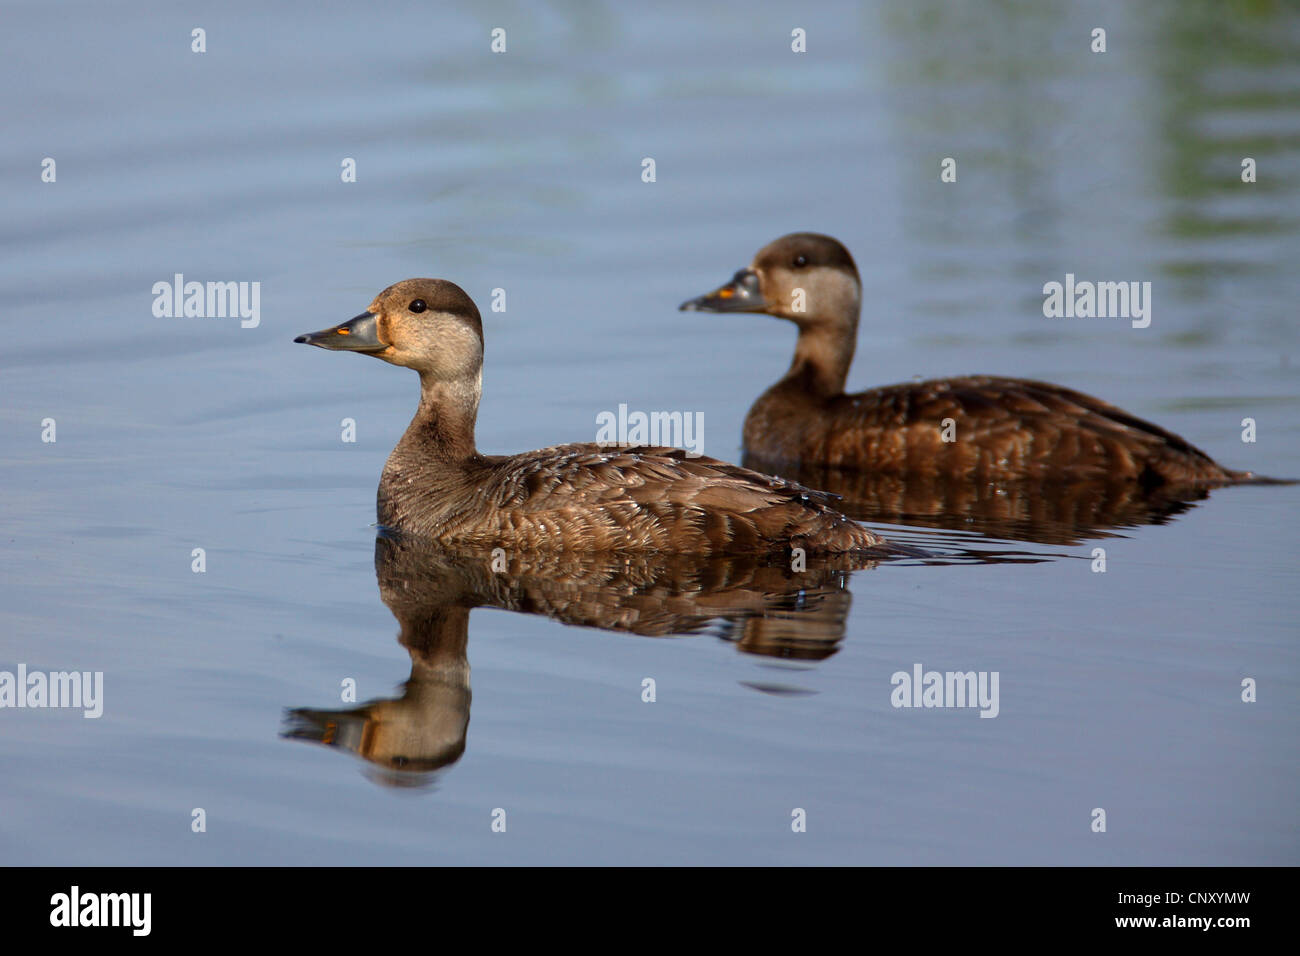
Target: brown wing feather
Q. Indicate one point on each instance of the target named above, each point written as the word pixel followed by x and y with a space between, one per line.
pixel 587 497
pixel 1003 427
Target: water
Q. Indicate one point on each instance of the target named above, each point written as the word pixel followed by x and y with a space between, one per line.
pixel 522 171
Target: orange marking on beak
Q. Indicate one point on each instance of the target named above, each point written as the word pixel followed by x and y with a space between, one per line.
pixel 343 331
pixel 726 292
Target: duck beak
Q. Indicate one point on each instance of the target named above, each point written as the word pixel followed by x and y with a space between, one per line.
pixel 741 294
pixel 358 335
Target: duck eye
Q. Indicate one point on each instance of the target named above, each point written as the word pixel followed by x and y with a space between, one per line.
pixel 417 305
pixel 800 261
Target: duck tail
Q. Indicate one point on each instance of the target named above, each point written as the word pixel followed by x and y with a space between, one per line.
pixel 1250 478
pixel 893 549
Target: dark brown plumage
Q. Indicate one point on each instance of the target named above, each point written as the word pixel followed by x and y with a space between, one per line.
pixel 999 428
pixel 570 497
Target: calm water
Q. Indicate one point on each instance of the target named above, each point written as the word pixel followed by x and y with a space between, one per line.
pixel 522 171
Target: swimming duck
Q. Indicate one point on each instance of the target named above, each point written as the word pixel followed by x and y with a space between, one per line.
pixel 582 497
pixel 1001 428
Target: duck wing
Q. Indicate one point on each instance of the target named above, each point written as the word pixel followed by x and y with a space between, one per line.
pixel 1006 426
pixel 607 498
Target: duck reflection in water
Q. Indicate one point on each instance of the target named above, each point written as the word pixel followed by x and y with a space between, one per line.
pixel 1039 510
pixel 758 602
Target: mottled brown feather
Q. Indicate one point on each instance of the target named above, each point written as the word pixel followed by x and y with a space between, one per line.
pixel 1004 428
pixel 590 498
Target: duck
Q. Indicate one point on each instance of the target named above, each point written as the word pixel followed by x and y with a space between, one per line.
pixel 575 497
pixel 983 427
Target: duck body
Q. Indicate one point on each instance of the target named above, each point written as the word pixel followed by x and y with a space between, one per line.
pixel 975 426
pixel 978 426
pixel 587 497
pixel 583 497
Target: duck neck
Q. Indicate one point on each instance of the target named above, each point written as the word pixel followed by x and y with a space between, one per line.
pixel 443 426
pixel 822 357
pixel 437 638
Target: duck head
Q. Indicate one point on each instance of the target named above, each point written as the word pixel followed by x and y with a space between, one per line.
pixel 805 277
pixel 429 325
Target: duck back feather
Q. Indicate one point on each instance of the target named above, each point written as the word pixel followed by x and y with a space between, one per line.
pixel 586 497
